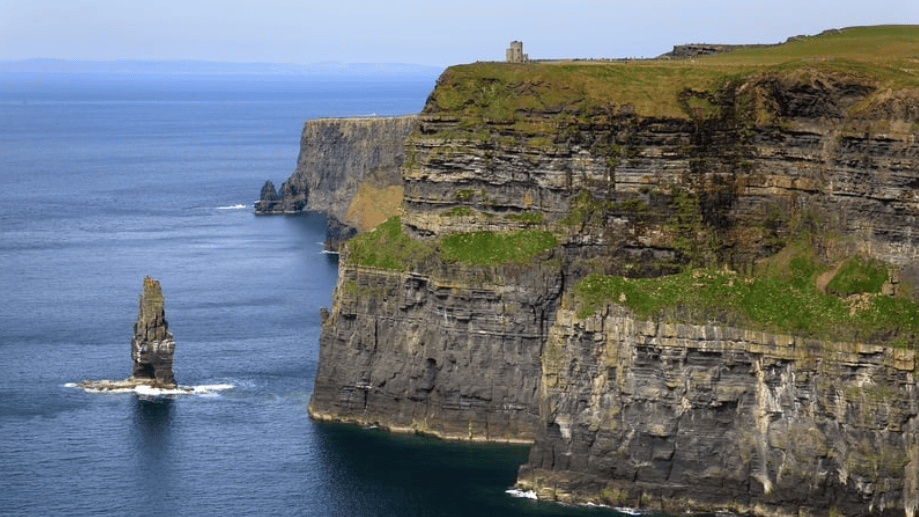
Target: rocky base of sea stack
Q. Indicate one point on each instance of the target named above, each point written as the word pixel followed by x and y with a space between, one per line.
pixel 130 383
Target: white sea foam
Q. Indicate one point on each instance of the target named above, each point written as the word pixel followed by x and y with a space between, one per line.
pixel 232 207
pixel 147 391
pixel 529 494
pixel 526 494
pixel 210 389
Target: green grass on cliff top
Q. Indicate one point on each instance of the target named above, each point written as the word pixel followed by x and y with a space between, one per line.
pixel 783 298
pixel 885 55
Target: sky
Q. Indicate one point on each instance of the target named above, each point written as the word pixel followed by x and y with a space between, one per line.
pixel 426 32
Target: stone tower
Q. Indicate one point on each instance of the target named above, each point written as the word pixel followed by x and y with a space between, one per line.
pixel 515 53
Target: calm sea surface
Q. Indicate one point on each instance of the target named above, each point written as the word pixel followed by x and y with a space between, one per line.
pixel 103 182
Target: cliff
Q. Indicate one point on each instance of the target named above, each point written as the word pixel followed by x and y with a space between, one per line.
pixel 348 168
pixel 676 417
pixel 690 287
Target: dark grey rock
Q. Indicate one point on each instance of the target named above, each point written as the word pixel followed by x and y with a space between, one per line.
pixel 152 346
pixel 269 201
pixel 337 233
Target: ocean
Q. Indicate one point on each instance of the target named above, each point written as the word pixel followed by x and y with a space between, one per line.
pixel 105 180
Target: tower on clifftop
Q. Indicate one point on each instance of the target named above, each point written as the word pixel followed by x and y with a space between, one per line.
pixel 515 53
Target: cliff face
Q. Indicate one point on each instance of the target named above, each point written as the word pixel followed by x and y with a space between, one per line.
pixel 346 164
pixel 676 417
pixel 688 408
pixel 749 182
pixel 452 352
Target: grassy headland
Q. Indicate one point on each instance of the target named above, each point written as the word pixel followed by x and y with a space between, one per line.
pixel 507 93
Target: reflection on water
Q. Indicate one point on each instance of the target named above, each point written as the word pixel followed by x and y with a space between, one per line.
pixel 152 419
pixel 154 467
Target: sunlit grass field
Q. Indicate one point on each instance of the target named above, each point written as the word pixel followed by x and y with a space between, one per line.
pixel 887 56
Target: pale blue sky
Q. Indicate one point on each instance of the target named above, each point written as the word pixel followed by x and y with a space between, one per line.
pixel 410 31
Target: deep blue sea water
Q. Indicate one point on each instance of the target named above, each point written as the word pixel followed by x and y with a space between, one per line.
pixel 105 181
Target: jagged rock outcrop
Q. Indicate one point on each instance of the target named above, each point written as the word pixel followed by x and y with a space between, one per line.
pixel 152 346
pixel 269 202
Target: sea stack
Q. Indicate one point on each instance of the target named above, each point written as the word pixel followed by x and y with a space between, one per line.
pixel 269 200
pixel 152 345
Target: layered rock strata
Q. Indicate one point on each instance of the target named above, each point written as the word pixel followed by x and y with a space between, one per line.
pixel 452 352
pixel 680 417
pixel 152 346
pixel 749 185
pixel 339 156
pixel 658 413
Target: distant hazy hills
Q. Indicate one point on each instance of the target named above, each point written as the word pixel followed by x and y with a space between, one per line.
pixel 187 67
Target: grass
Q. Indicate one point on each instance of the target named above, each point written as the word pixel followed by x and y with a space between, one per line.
pixel 859 275
pixel 508 93
pixel 494 247
pixel 783 297
pixel 388 247
pixel 457 211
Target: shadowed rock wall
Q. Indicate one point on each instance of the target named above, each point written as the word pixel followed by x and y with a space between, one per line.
pixel 449 351
pixel 337 155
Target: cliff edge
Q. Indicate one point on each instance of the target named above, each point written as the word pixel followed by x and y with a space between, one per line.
pixel 691 286
pixel 348 168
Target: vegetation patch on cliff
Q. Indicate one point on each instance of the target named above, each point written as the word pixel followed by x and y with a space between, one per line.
pixel 388 247
pixel 779 298
pixel 495 247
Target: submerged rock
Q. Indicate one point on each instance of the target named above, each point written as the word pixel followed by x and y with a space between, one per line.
pixel 152 346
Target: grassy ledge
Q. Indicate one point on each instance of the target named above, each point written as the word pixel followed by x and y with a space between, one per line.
pixel 387 246
pixel 495 248
pixel 782 298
